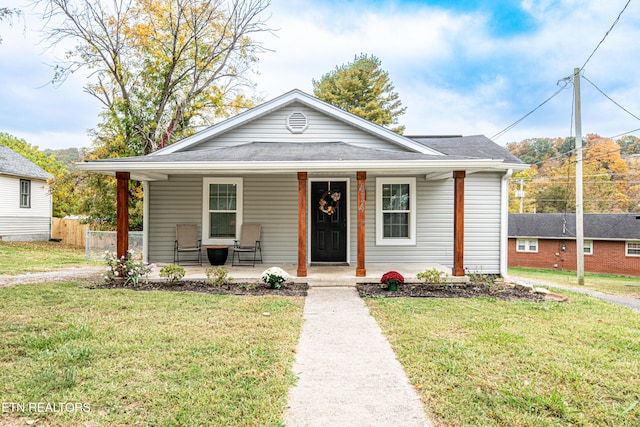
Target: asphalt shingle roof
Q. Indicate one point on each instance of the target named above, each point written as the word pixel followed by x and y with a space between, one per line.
pixel 286 151
pixel 561 226
pixel 12 163
pixel 475 146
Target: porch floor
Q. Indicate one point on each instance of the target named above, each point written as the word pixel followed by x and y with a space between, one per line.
pixel 319 275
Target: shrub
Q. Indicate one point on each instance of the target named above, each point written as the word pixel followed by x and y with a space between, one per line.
pixel 172 272
pixel 218 276
pixel 275 277
pixel 126 268
pixel 433 275
pixel 392 278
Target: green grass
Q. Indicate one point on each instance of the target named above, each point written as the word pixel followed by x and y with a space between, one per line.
pixel 25 257
pixel 147 358
pixel 482 362
pixel 605 283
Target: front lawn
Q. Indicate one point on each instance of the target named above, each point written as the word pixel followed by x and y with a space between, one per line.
pixel 606 283
pixel 484 362
pixel 25 257
pixel 147 358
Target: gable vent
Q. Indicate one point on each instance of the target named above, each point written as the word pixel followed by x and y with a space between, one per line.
pixel 297 122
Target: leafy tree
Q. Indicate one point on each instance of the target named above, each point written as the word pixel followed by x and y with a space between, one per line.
pixel 629 145
pixel 160 67
pixel 364 89
pixel 7 14
pixel 608 184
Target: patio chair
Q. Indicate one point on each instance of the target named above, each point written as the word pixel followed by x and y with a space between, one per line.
pixel 249 243
pixel 187 241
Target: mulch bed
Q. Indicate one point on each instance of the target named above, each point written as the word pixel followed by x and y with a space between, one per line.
pixel 412 290
pixel 472 290
pixel 287 289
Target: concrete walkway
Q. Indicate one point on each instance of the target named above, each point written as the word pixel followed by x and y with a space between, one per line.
pixel 348 374
pixel 631 303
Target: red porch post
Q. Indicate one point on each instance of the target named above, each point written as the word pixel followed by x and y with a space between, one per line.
pixel 361 271
pixel 302 224
pixel 458 223
pixel 122 213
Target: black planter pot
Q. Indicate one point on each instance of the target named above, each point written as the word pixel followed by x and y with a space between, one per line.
pixel 217 254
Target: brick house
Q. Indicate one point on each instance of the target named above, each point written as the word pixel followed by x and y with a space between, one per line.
pixel 548 240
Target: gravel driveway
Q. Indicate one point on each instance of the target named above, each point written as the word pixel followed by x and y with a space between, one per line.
pixel 91 273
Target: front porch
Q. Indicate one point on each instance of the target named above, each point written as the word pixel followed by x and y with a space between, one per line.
pixel 320 275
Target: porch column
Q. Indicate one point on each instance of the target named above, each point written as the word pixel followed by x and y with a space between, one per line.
pixel 458 223
pixel 361 271
pixel 122 213
pixel 302 224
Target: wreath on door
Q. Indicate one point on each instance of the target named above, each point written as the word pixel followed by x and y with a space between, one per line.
pixel 329 202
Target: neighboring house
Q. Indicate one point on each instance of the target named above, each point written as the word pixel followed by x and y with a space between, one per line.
pixel 25 207
pixel 328 187
pixel 548 240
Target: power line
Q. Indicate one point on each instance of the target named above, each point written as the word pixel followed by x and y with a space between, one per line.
pixel 610 99
pixel 514 124
pixel 605 35
pixel 624 134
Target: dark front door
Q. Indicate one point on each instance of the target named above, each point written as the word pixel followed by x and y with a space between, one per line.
pixel 328 221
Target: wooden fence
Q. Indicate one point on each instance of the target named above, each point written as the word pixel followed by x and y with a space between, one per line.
pixel 71 231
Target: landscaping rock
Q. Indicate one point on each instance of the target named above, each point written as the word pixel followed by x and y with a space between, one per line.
pixel 541 291
pixel 524 286
pixel 555 297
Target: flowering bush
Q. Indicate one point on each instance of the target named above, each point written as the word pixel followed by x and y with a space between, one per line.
pixel 275 277
pixel 392 278
pixel 126 267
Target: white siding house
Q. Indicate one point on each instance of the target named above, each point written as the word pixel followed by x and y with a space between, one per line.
pixel 25 199
pixel 283 164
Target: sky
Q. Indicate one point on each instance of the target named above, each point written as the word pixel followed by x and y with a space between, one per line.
pixel 460 67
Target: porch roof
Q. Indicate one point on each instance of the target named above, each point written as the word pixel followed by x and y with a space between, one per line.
pixel 291 157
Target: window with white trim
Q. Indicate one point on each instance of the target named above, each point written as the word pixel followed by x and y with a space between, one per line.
pixel 25 193
pixel 588 247
pixel 222 210
pixel 527 245
pixel 395 211
pixel 632 248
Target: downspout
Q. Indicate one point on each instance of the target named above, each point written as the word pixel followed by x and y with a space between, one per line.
pixel 504 223
pixel 145 221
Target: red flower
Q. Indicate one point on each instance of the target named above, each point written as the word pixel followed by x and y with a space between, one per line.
pixel 392 277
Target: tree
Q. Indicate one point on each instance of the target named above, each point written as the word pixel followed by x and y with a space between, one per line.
pixel 550 184
pixel 7 14
pixel 364 89
pixel 160 68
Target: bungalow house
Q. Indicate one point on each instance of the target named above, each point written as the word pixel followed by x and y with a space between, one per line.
pixel 548 240
pixel 327 187
pixel 25 210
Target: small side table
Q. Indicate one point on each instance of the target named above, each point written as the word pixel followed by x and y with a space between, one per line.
pixel 217 254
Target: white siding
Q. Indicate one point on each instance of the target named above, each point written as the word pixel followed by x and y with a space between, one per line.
pixel 271 200
pixel 435 224
pixel 322 128
pixel 482 223
pixel 16 223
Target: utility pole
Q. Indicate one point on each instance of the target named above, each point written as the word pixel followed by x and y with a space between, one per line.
pixel 579 200
pixel 520 194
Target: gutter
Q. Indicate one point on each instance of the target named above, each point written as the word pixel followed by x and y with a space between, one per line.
pixel 504 224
